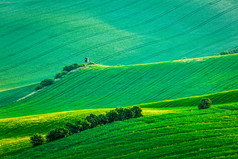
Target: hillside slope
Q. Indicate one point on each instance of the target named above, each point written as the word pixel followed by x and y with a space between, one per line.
pixel 9 96
pixel 40 37
pixel 107 87
pixel 210 133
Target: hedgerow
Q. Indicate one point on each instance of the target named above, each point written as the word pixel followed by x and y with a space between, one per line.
pixel 230 51
pixel 90 121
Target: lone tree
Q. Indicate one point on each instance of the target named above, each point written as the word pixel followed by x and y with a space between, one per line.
pixel 205 103
pixel 37 140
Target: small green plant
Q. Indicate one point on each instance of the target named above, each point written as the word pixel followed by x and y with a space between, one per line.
pixel 205 103
pixel 137 111
pixel 37 140
pixel 57 133
pixel 112 116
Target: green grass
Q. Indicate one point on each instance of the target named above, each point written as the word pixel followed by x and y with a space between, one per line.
pixel 38 37
pixel 9 96
pixel 217 98
pixel 15 132
pixel 191 133
pixel 108 87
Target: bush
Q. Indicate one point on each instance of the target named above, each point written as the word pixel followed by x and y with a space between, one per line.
pixel 112 116
pixel 69 68
pixel 93 119
pixel 137 111
pixel 229 51
pixel 73 128
pixel 205 103
pixel 124 113
pixel 82 65
pixel 57 133
pixel 85 125
pixel 102 119
pixel 91 63
pixel 60 74
pixel 47 82
pixel 37 140
pixel 38 87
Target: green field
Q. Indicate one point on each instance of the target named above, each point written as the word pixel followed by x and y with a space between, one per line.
pixel 16 131
pixel 40 37
pixel 161 55
pixel 164 133
pixel 12 95
pixel 108 87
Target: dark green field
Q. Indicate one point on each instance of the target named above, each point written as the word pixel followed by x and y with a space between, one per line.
pixel 161 55
pixel 40 37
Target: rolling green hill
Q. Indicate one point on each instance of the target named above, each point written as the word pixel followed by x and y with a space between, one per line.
pixel 40 37
pixel 217 98
pixel 191 133
pixel 9 96
pixel 108 87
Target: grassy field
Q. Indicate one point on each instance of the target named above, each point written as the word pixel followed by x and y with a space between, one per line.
pixel 15 132
pixel 9 96
pixel 217 98
pixel 189 133
pixel 40 37
pixel 108 87
pixel 158 54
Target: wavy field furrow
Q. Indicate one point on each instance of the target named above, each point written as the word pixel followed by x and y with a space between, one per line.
pixel 165 136
pixel 51 34
pixel 107 87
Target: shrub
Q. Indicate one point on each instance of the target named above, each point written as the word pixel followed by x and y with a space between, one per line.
pixel 112 116
pixel 57 133
pixel 37 140
pixel 93 119
pixel 60 74
pixel 85 125
pixel 205 103
pixel 124 113
pixel 229 51
pixel 102 119
pixel 38 87
pixel 137 111
pixel 47 82
pixel 69 68
pixel 82 65
pixel 91 63
pixel 73 128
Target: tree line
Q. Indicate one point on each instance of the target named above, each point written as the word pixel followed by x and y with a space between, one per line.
pixel 91 121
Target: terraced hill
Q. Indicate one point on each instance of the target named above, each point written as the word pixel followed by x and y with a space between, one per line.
pixel 108 87
pixel 40 37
